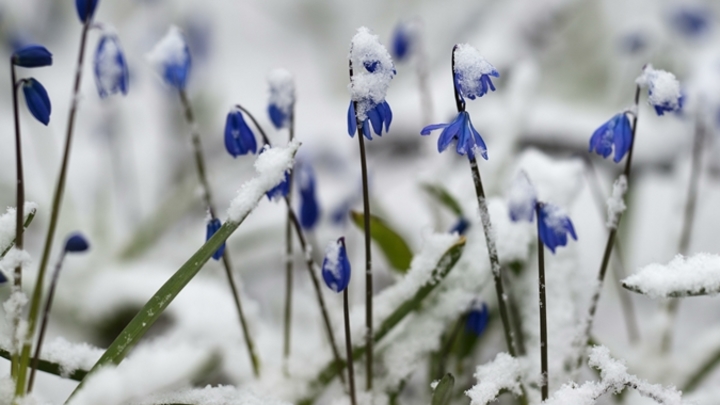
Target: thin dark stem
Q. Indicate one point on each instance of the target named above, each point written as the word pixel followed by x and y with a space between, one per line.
pixel 54 216
pixel 207 198
pixel 20 206
pixel 288 262
pixel 368 257
pixel 544 382
pixel 348 346
pixel 613 232
pixel 44 322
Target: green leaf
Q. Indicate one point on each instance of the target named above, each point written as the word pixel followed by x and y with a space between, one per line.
pixel 442 269
pixel 443 197
pixel 391 244
pixel 50 367
pixel 443 391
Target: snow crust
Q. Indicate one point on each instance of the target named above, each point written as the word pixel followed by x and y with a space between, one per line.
pixel 502 373
pixel 270 167
pixel 471 66
pixel 694 275
pixel 282 90
pixel 220 395
pixel 663 87
pixel 7 224
pixel 368 88
pixel 616 203
pixel 14 258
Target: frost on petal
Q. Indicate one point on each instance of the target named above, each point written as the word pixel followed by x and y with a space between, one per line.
pixel 616 203
pixel 663 89
pixel 683 276
pixel 503 373
pixel 282 96
pixel 472 72
pixel 372 71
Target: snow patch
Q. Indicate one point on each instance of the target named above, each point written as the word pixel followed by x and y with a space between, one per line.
pixel 501 373
pixel 683 276
pixel 616 203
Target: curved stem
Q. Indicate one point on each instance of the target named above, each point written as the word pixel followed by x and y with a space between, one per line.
pixel 207 197
pixel 54 216
pixel 544 382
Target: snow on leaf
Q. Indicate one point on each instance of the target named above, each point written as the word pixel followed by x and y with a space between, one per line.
pixel 682 277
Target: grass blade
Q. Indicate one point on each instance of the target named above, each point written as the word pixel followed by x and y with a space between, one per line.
pixel 390 242
pixel 443 391
pixel 443 197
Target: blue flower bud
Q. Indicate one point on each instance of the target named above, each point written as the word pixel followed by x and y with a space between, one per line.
pixel 111 71
pixel 554 226
pixel 460 226
pixel 37 100
pixel 616 133
pixel 171 56
pixel 477 319
pixel 309 208
pixel 239 138
pixel 76 243
pixel 85 9
pixel 402 42
pixel 31 56
pixel 336 266
pixel 213 226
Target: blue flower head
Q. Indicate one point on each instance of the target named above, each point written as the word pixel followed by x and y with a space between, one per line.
pixel 404 40
pixel 460 226
pixel 554 226
pixel 171 57
pixel 213 226
pixel 477 319
pixel 522 199
pixel 663 90
pixel 690 21
pixel 282 97
pixel 85 9
pixel 76 243
pixel 615 133
pixel 37 100
pixel 372 69
pixel 336 266
pixel 471 72
pixel 31 56
pixel 309 208
pixel 111 71
pixel 239 138
pixel 461 129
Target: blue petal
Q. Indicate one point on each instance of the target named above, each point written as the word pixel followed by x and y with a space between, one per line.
pixel 622 138
pixel 449 133
pixel 76 243
pixel 465 140
pixel 460 226
pixel 337 276
pixel 176 72
pixel 375 119
pixel 30 56
pixel 37 100
pixel 309 208
pixel 602 139
pixel 212 227
pixel 281 190
pixel 400 43
pixel 366 129
pixel 119 79
pixel 351 120
pixel 432 127
pixel 386 114
pixel 479 142
pixel 276 116
pixel 85 9
pixel 477 320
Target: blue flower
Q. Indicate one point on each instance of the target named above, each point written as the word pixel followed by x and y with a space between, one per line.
pixel 239 138
pixel 336 266
pixel 171 56
pixel 460 226
pixel 85 9
pixel 37 100
pixel 472 72
pixel 691 21
pixel 522 199
pixel 111 71
pixel 477 319
pixel 554 226
pixel 282 97
pixel 281 190
pixel 309 208
pixel 615 133
pixel 402 42
pixel 461 128
pixel 76 243
pixel 669 105
pixel 378 116
pixel 664 92
pixel 31 56
pixel 212 227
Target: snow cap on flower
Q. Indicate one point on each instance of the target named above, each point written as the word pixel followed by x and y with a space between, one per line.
pixel 554 226
pixel 309 208
pixel 522 199
pixel 239 138
pixel 477 319
pixel 76 243
pixel 615 133
pixel 85 9
pixel 37 100
pixel 171 57
pixel 31 56
pixel 336 266
pixel 663 89
pixel 472 72
pixel 372 71
pixel 213 226
pixel 111 71
pixel 282 97
pixel 461 128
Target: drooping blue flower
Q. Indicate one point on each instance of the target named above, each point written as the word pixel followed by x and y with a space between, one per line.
pixel 309 208
pixel 460 226
pixel 85 9
pixel 37 100
pixel 281 190
pixel 336 266
pixel 213 226
pixel 282 97
pixel 522 199
pixel 239 138
pixel 76 243
pixel 111 71
pixel 472 72
pixel 171 56
pixel 31 56
pixel 477 319
pixel 378 116
pixel 615 133
pixel 691 21
pixel 554 226
pixel 403 41
pixel 664 92
pixel 461 128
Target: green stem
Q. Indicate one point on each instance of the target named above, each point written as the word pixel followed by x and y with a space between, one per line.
pixel 544 382
pixel 54 216
pixel 19 208
pixel 287 324
pixel 207 197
